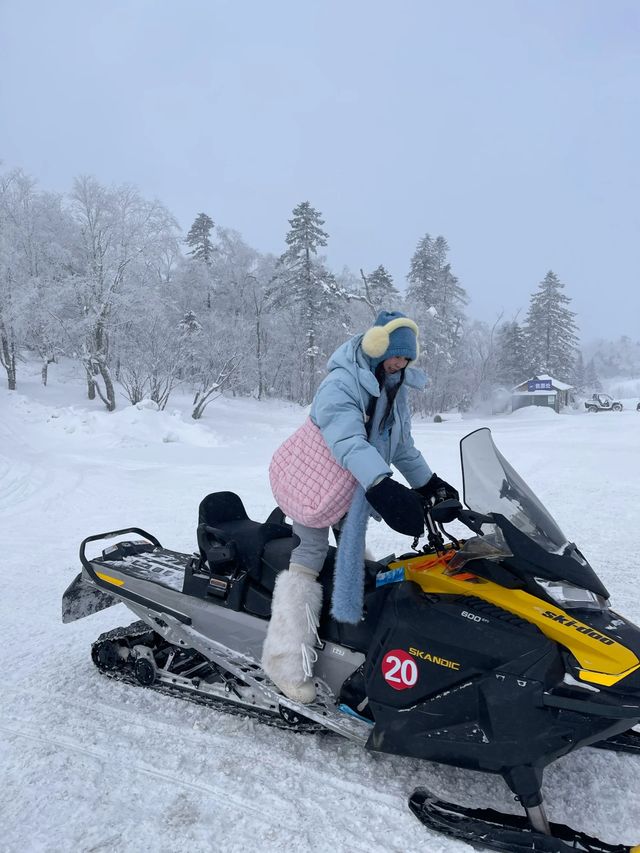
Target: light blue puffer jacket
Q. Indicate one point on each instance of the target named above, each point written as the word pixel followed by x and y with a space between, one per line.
pixel 339 409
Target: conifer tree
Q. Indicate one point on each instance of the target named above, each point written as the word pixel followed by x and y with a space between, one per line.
pixel 199 239
pixel 433 284
pixel 591 379
pixel 202 249
pixel 189 324
pixel 305 285
pixel 578 378
pixel 511 357
pixel 381 291
pixel 550 330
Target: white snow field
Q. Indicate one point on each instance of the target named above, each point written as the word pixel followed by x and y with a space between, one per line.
pixel 88 764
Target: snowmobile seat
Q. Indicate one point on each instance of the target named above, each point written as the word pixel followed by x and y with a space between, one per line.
pixel 275 559
pixel 228 537
pixel 229 540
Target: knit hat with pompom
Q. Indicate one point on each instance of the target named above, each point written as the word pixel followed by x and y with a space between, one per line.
pixel 393 333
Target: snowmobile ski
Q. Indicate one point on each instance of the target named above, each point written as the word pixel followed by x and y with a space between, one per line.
pixel 492 830
pixel 628 742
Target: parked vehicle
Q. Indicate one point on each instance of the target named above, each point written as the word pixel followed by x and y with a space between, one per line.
pixel 603 403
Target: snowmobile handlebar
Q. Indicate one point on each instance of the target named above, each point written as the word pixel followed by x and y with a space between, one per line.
pixel 110 535
pixel 450 510
pixel 444 512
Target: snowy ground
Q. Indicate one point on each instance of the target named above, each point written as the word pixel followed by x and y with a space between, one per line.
pixel 91 765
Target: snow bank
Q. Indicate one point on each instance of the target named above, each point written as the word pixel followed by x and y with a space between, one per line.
pixel 534 413
pixel 131 426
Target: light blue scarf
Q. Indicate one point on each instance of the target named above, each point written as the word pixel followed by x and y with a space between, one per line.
pixel 348 578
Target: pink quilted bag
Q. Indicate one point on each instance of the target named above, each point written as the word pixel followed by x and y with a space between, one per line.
pixel 307 482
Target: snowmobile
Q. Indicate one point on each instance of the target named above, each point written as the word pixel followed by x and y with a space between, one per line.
pixel 496 653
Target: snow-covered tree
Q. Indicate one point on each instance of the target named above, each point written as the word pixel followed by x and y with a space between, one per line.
pixel 202 249
pixel 234 264
pixel 471 379
pixel 615 358
pixel 306 288
pixel 511 365
pixel 216 372
pixel 189 324
pixel 153 345
pixel 258 308
pixel 578 377
pixel 550 330
pixel 119 237
pixel 381 292
pixel 199 239
pixel 50 279
pixel 16 194
pixel 431 283
pixel 591 379
pixel 34 240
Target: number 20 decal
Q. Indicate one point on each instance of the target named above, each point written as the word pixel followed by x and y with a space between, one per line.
pixel 399 669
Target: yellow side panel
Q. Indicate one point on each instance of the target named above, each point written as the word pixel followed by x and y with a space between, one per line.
pixel 604 662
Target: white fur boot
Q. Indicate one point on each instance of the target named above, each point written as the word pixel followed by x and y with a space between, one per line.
pixel 289 652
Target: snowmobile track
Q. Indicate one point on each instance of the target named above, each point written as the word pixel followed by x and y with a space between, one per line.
pixel 127 676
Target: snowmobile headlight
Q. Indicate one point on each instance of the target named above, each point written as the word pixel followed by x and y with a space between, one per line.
pixel 570 596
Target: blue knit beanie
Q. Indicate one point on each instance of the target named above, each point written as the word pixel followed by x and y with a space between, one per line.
pixel 393 333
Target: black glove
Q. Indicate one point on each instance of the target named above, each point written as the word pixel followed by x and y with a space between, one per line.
pixel 438 489
pixel 399 506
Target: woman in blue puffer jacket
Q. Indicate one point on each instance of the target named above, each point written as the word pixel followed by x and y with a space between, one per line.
pixel 340 459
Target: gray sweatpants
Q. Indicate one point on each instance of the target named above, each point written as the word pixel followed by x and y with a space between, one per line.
pixel 314 544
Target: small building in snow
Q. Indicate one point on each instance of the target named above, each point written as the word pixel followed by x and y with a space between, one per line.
pixel 541 390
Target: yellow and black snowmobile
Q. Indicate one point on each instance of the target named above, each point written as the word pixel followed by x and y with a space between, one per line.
pixel 499 653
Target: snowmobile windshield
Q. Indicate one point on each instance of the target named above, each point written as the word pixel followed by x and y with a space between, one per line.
pixel 491 485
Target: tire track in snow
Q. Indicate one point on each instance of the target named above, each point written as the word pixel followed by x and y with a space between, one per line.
pixel 29 476
pixel 329 771
pixel 329 764
pixel 138 767
pixel 19 482
pixel 223 793
pixel 237 725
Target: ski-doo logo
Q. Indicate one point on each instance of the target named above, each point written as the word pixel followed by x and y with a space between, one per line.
pixel 399 670
pixel 449 664
pixel 582 629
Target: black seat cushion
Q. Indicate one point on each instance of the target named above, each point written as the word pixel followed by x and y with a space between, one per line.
pixel 223 519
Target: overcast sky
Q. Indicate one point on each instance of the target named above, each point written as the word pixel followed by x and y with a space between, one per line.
pixel 510 127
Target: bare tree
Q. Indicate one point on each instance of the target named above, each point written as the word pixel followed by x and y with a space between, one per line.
pixel 119 232
pixel 213 381
pixel 15 187
pixel 154 355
